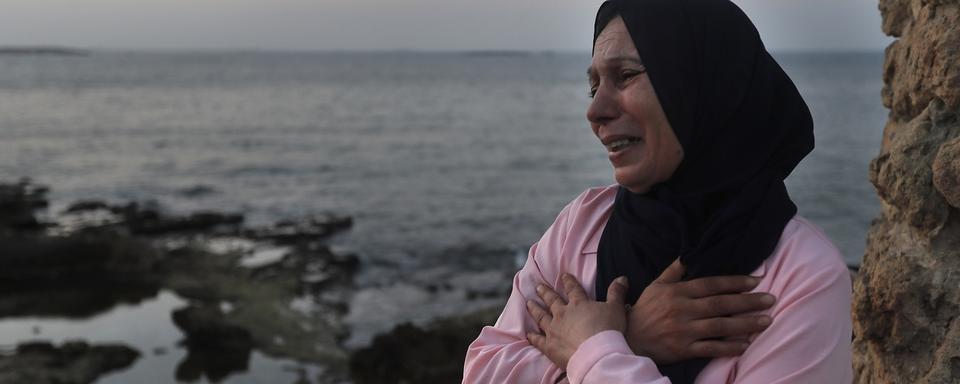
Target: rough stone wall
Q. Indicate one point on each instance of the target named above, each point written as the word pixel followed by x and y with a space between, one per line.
pixel 907 294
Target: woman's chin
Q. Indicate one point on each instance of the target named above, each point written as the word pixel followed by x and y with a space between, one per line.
pixel 630 181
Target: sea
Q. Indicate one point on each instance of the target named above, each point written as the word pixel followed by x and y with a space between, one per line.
pixel 444 160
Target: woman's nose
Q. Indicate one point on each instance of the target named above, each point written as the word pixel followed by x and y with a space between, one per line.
pixel 603 108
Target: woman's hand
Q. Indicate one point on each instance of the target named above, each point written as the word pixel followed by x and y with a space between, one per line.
pixel 676 320
pixel 565 325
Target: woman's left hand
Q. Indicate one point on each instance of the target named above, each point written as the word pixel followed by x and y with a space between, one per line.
pixel 565 325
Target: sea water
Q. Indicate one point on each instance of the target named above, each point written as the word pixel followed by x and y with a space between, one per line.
pixel 446 161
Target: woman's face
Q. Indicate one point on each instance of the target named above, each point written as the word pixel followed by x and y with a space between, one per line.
pixel 626 115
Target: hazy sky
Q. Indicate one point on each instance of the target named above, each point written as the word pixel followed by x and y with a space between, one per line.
pixel 563 25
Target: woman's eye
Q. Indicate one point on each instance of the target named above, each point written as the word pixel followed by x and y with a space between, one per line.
pixel 630 73
pixel 593 92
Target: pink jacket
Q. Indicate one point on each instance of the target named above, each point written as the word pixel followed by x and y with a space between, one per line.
pixel 808 341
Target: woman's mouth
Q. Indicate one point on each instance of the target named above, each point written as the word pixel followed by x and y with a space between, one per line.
pixel 622 144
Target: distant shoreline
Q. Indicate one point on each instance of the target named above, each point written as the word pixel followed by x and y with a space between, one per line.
pixel 55 51
pixel 67 51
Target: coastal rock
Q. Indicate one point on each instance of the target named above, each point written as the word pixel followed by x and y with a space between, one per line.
pixel 199 190
pixel 95 255
pixel 74 277
pixel 303 229
pixel 922 64
pixel 215 348
pixel 18 203
pixel 205 328
pixel 902 172
pixel 271 308
pixel 946 172
pixel 905 293
pixel 72 363
pixel 150 221
pixel 411 354
pixel 87 205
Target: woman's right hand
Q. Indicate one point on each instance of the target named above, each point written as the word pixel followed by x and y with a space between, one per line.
pixel 676 320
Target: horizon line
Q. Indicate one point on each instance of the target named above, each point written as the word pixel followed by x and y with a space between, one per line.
pixel 482 51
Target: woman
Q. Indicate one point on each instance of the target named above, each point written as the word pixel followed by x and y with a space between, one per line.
pixel 726 283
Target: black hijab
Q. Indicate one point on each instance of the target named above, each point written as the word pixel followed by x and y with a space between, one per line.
pixel 743 127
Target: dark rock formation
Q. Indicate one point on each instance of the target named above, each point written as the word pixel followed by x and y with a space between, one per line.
pixel 906 296
pixel 72 363
pixel 305 229
pixel 286 303
pixel 71 276
pixel 215 348
pixel 411 354
pixel 142 220
pixel 205 328
pixel 18 202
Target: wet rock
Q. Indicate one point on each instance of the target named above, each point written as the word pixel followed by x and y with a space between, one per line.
pixel 905 292
pixel 304 229
pixel 195 191
pixel 45 260
pixel 290 306
pixel 205 328
pixel 87 205
pixel 261 303
pixel 74 276
pixel 410 354
pixel 72 301
pixel 147 221
pixel 18 203
pixel 213 364
pixel 72 363
pixel 215 348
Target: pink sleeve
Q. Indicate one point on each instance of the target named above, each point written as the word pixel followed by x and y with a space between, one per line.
pixel 502 354
pixel 606 358
pixel 808 342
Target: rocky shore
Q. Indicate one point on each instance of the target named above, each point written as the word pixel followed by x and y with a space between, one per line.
pixel 73 362
pixel 410 354
pixel 279 290
pixel 247 288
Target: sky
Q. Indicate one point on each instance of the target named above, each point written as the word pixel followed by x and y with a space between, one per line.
pixel 538 25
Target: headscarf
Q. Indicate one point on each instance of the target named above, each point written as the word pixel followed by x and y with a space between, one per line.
pixel 743 127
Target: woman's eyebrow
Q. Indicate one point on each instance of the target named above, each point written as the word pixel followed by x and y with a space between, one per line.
pixel 634 60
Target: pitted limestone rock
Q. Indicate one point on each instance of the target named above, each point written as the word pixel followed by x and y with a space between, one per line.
pixel 925 62
pixel 946 172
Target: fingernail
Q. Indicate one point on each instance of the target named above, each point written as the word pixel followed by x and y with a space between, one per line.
pixel 763 321
pixel 767 300
pixel 539 288
pixel 622 280
pixel 529 303
pixel 753 281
